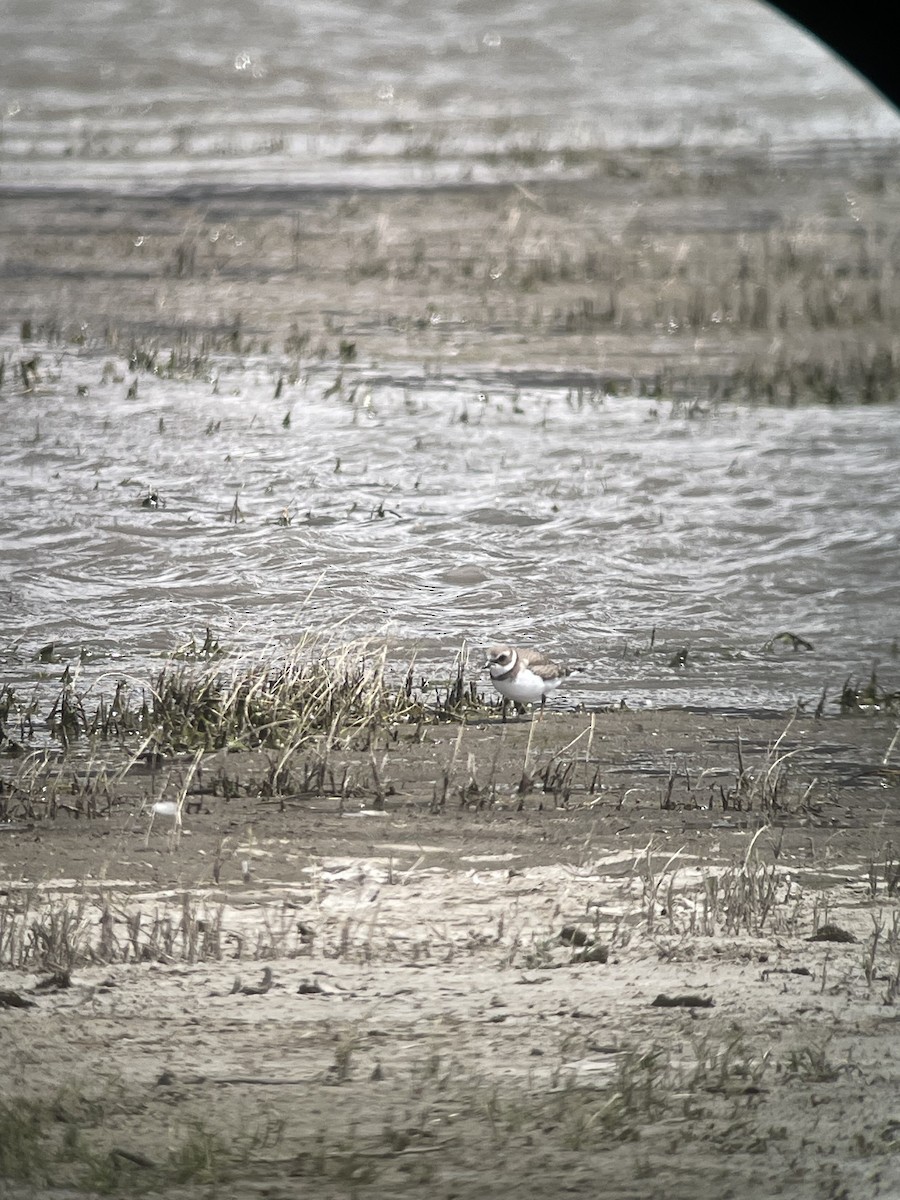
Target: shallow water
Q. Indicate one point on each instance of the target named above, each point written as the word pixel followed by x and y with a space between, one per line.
pixel 254 91
pixel 432 511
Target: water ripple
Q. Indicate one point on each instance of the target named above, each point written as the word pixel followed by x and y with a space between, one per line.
pixel 588 533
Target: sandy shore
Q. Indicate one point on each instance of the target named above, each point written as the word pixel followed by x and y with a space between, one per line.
pixel 466 964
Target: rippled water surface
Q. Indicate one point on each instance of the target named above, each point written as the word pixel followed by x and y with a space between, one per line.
pixel 254 91
pixel 614 532
pixel 436 510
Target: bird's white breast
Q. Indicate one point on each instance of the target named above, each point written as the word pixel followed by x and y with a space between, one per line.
pixel 526 687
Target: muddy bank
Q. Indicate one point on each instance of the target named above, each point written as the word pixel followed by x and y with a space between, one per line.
pixel 657 948
pixel 536 790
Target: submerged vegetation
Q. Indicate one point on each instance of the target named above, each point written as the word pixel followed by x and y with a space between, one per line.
pixel 697 274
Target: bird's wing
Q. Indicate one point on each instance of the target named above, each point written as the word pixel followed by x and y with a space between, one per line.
pixel 544 667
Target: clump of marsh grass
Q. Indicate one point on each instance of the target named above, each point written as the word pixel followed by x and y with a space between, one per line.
pixel 881 955
pixel 884 871
pixel 585 1111
pixel 45 784
pixel 298 707
pixel 14 711
pixel 455 698
pixel 273 703
pixel 63 1141
pixel 750 896
pixel 770 788
pixel 63 933
pixel 199 701
pixel 75 714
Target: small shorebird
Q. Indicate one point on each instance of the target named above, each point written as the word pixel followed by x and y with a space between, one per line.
pixel 523 676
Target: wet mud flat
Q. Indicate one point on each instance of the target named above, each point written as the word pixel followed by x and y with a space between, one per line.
pixel 659 950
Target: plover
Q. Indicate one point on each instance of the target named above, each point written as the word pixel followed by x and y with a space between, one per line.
pixel 523 676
